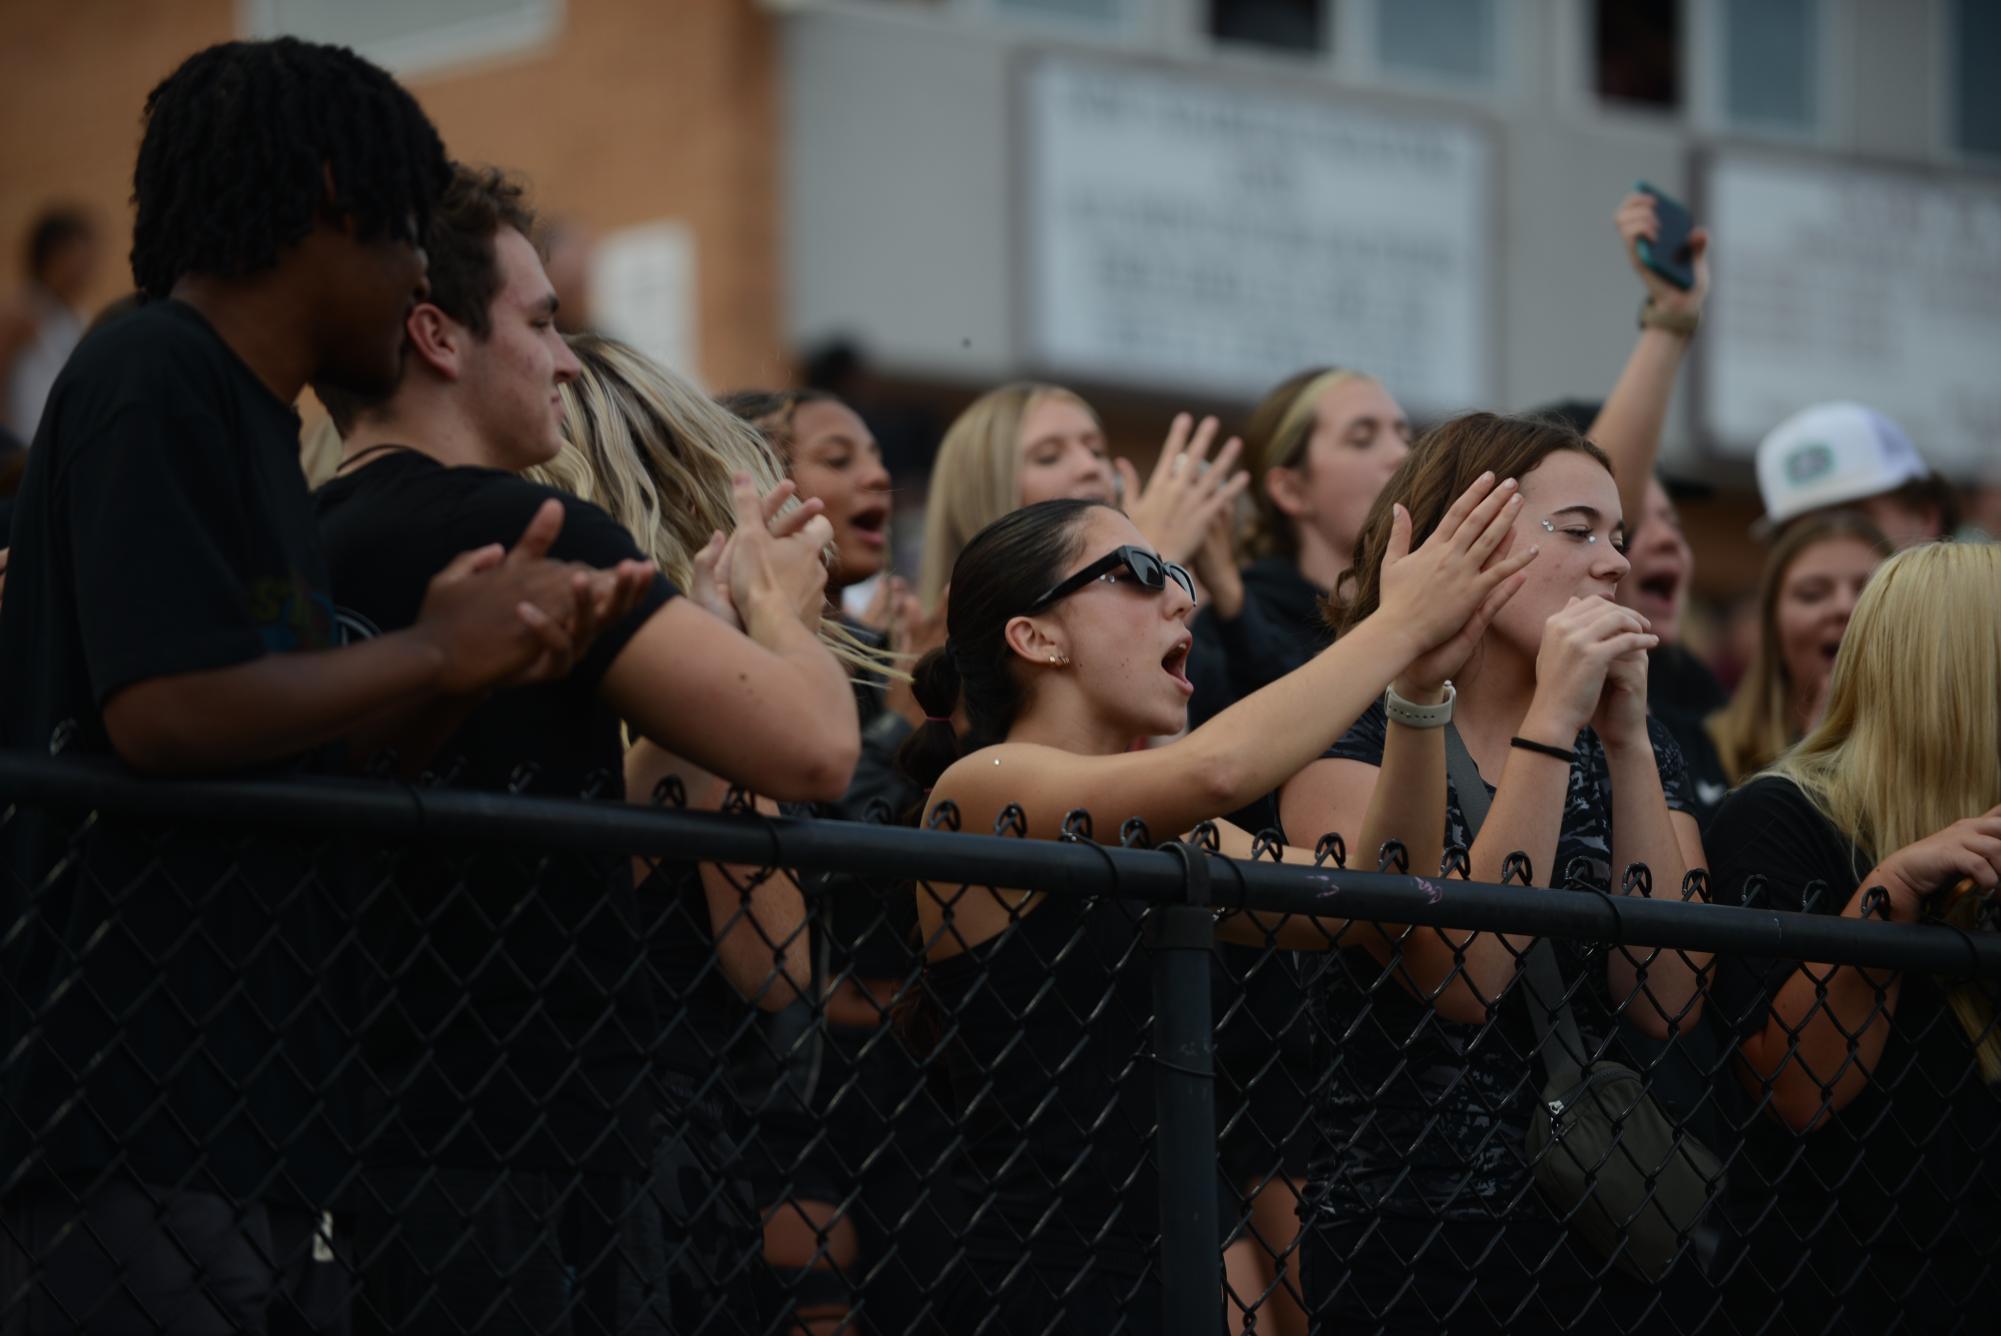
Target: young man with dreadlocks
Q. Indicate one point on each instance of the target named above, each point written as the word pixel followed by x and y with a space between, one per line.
pixel 175 1031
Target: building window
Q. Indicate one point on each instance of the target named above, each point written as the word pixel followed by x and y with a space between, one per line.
pixel 409 36
pixel 1771 63
pixel 1096 13
pixel 1636 47
pixel 1289 25
pixel 1452 39
pixel 1974 47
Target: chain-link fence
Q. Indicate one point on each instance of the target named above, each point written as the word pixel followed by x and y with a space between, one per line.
pixel 327 1055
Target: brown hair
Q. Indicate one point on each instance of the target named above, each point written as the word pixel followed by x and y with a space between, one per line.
pixel 1756 726
pixel 1441 465
pixel 464 272
pixel 1279 430
pixel 772 413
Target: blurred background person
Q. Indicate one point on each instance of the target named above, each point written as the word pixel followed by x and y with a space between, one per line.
pixel 1848 456
pixel 46 318
pixel 1812 580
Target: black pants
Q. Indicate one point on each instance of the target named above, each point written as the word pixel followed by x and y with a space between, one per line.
pixel 128 1258
pixel 447 1251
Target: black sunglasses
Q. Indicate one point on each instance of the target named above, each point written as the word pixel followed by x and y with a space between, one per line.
pixel 1151 572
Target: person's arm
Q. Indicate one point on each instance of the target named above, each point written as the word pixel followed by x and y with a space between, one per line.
pixel 1628 427
pixel 1254 745
pixel 768 707
pixel 1668 983
pixel 1462 974
pixel 1407 792
pixel 1263 928
pixel 756 916
pixel 1823 1038
pixel 486 619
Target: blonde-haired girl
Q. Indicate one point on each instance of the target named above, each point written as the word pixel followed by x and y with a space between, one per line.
pixel 1875 1168
pixel 1812 580
pixel 1029 442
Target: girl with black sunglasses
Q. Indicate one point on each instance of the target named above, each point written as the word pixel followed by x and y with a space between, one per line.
pixel 1068 645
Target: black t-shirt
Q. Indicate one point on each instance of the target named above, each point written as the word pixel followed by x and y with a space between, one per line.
pixel 1913 1162
pixel 1424 1116
pixel 522 1013
pixel 1682 693
pixel 164 527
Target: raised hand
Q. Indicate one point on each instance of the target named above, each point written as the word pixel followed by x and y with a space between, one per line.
pixel 885 605
pixel 1215 565
pixel 494 614
pixel 1638 218
pixel 778 557
pixel 1182 498
pixel 1450 587
pixel 1968 849
pixel 1621 717
pixel 1576 683
pixel 709 581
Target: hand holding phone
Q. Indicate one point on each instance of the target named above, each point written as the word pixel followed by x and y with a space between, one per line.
pixel 1671 251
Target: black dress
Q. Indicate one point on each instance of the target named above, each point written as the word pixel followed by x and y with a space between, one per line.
pixel 1420 1207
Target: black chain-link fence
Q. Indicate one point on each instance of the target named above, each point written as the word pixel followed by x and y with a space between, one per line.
pixel 325 1055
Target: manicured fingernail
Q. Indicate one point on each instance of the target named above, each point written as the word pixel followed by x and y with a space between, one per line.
pixel 1509 482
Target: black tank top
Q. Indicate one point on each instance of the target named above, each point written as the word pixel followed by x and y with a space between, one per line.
pixel 1046 1028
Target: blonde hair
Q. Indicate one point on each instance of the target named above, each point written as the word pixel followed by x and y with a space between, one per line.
pixel 1757 724
pixel 319 451
pixel 976 478
pixel 659 456
pixel 1279 430
pixel 1912 738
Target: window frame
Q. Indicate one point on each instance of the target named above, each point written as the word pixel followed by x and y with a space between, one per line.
pixel 1709 78
pixel 1945 136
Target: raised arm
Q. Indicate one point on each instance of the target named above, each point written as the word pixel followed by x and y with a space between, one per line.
pixel 1645 831
pixel 1463 974
pixel 1628 427
pixel 1253 746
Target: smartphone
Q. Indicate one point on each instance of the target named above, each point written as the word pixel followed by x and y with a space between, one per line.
pixel 1668 255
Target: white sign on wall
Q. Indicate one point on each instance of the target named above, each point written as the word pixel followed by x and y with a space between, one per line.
pixel 1834 281
pixel 643 291
pixel 1183 231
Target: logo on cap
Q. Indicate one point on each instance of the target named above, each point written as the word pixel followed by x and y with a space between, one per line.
pixel 1814 459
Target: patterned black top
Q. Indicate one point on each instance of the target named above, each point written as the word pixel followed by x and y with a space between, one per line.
pixel 1422 1116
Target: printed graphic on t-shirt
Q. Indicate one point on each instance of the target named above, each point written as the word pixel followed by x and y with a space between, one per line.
pixel 290 614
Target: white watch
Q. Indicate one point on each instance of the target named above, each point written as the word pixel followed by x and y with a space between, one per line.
pixel 1412 715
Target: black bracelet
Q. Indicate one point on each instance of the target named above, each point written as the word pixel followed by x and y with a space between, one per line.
pixel 1563 754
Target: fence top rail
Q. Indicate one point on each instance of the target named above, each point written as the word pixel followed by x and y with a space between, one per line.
pixel 400 812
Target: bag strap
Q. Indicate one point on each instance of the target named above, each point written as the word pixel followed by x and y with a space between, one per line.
pixel 1549 1005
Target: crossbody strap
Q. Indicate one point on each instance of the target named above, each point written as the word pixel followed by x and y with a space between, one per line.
pixel 1549 1005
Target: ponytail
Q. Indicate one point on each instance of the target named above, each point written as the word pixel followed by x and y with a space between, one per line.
pixel 929 751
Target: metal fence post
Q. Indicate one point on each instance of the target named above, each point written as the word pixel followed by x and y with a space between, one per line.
pixel 1179 939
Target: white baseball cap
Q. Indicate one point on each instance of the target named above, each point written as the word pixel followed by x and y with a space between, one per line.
pixel 1829 455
